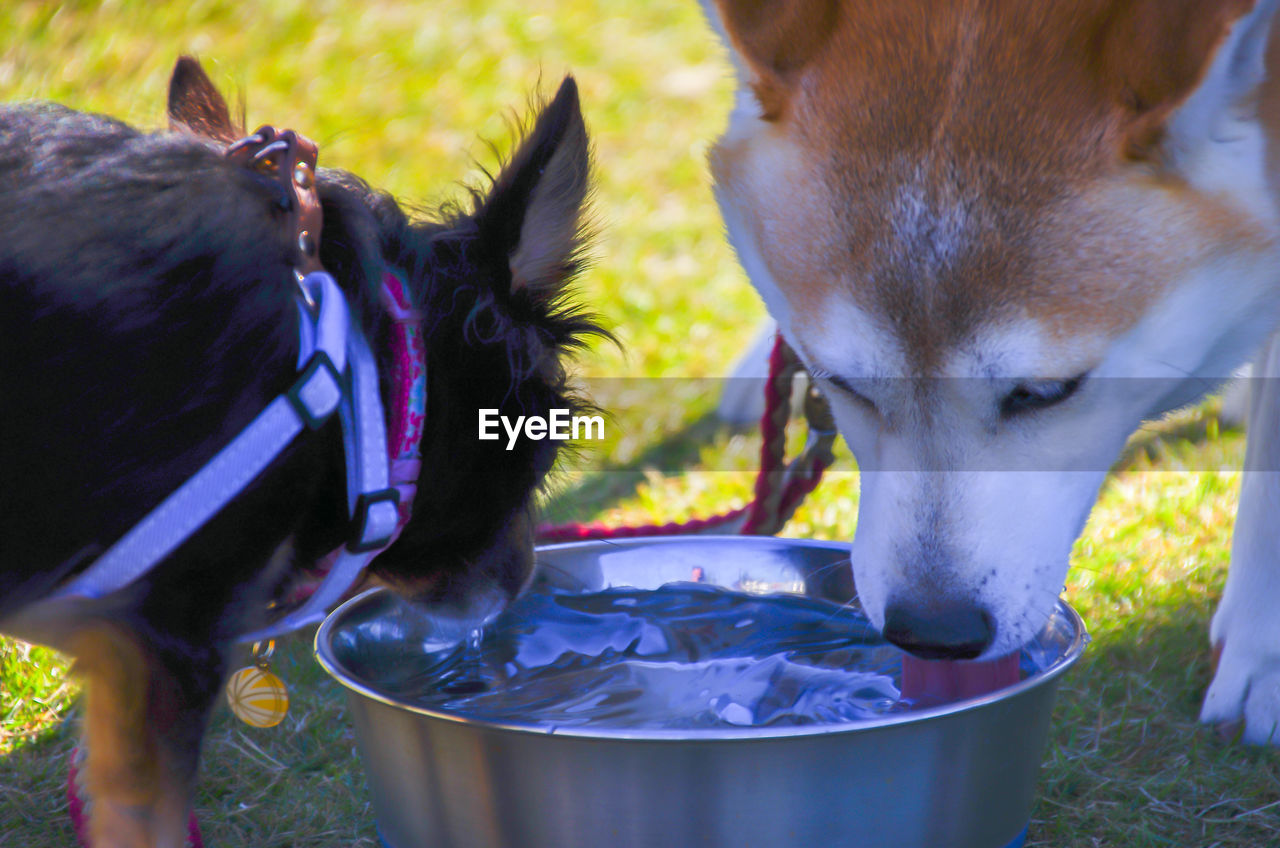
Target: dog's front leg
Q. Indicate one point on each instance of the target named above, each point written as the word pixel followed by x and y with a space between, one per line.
pixel 143 731
pixel 1245 693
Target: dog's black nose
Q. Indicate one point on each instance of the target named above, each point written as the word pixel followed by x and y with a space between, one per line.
pixel 946 632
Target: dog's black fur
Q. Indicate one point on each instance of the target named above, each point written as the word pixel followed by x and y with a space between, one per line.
pixel 147 315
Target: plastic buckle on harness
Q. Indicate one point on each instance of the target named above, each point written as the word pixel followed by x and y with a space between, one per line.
pixel 375 518
pixel 316 394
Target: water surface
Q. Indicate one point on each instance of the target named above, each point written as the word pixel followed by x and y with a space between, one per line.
pixel 687 655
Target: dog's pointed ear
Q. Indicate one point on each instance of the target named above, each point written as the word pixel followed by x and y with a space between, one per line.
pixel 196 106
pixel 535 209
pixel 1175 66
pixel 771 41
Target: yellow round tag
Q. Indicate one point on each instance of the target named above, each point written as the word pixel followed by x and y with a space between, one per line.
pixel 258 697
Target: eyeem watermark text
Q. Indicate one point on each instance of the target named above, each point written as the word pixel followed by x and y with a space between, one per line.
pixel 561 426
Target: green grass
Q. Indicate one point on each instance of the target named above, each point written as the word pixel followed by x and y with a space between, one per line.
pixel 402 94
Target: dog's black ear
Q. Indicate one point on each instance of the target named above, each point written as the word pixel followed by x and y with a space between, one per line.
pixel 534 213
pixel 196 106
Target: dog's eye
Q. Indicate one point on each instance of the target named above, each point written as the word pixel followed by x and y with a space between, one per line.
pixel 845 386
pixel 1038 394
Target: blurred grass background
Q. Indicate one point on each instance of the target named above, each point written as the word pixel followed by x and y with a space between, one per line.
pixel 407 95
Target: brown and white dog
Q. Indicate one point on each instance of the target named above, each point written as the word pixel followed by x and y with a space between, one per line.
pixel 1002 234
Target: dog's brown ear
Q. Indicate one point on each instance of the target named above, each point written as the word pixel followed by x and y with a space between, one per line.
pixel 776 39
pixel 1153 54
pixel 195 106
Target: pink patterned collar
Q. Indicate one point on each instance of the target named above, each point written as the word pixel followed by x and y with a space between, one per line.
pixel 408 405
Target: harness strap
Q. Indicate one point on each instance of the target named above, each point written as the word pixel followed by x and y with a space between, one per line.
pixel 372 504
pixel 338 373
pixel 315 396
pixel 407 417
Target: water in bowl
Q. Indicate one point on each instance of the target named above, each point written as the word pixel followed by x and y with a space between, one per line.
pixel 687 655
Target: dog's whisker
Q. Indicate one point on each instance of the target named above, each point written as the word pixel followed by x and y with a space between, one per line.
pixel 852 605
pixel 831 566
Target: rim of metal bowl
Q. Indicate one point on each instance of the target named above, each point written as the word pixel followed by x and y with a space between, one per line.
pixel 335 670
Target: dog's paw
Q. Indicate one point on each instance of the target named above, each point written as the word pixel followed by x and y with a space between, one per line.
pixel 1244 698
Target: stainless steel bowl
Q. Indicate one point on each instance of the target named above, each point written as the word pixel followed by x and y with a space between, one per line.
pixel 959 776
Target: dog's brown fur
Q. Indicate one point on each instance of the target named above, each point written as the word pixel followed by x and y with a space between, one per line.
pixel 961 213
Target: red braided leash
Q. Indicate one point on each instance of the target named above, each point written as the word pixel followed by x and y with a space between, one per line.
pixel 779 488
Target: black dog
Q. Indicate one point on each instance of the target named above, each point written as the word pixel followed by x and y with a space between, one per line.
pixel 147 314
